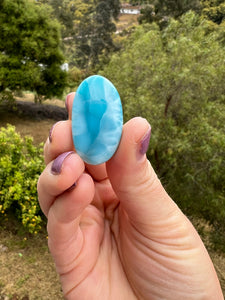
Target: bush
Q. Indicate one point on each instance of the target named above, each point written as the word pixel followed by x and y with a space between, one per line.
pixel 175 79
pixel 20 166
pixel 75 76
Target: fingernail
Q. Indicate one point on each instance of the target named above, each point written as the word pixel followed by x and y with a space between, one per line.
pixel 66 102
pixel 145 142
pixel 51 131
pixel 72 187
pixel 58 162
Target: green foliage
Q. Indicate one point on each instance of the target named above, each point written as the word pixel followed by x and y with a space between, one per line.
pixel 148 15
pixel 93 29
pixel 30 55
pixel 175 8
pixel 214 10
pixel 20 166
pixel 64 14
pixel 140 2
pixel 75 76
pixel 87 29
pixel 101 40
pixel 161 10
pixel 175 79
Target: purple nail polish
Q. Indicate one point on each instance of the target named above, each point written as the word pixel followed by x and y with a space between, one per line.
pixel 51 131
pixel 72 187
pixel 145 142
pixel 58 162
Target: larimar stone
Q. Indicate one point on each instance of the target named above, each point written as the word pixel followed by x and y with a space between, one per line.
pixel 97 120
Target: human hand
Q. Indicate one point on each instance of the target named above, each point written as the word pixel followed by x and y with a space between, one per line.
pixel 115 233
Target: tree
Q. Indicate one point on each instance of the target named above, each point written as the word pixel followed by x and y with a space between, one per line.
pixel 175 79
pixel 87 28
pixel 83 26
pixel 93 21
pixel 140 2
pixel 30 55
pixel 161 10
pixel 101 39
pixel 148 15
pixel 63 12
pixel 214 10
pixel 175 8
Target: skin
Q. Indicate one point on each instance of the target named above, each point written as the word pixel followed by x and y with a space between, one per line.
pixel 118 234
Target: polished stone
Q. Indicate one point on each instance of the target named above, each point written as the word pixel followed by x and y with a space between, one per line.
pixel 97 120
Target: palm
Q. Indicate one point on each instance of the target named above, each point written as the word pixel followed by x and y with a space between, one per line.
pixel 114 260
pixel 98 267
pixel 108 262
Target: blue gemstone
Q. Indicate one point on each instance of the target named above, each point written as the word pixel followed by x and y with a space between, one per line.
pixel 97 120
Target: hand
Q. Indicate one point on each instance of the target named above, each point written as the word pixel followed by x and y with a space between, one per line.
pixel 114 232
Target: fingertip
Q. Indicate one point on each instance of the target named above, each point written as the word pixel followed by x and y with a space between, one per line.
pixel 60 141
pixel 135 129
pixel 133 178
pixel 52 184
pixel 69 104
pixel 133 144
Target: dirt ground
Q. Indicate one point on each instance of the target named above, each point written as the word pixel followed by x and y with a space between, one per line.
pixel 126 21
pixel 33 119
pixel 27 269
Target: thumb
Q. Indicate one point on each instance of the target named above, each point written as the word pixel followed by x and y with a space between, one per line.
pixel 133 179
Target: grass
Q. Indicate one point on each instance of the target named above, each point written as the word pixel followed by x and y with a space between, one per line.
pixel 27 269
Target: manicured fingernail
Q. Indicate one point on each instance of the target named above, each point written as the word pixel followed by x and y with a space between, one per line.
pixel 66 102
pixel 51 131
pixel 145 142
pixel 58 162
pixel 72 187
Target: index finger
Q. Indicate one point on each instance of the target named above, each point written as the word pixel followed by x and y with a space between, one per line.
pixel 69 104
pixel 62 141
